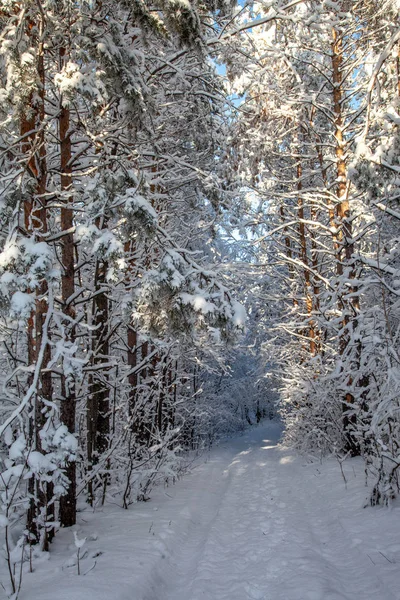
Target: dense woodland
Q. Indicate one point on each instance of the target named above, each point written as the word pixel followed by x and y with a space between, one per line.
pixel 199 229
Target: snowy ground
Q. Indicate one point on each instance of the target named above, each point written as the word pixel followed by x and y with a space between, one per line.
pixel 254 522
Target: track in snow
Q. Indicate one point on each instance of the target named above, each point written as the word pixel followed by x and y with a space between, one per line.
pixel 263 526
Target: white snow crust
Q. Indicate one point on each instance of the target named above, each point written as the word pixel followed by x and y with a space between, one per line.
pixel 252 522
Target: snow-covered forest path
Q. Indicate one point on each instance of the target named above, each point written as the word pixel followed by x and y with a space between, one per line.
pixel 262 526
pixel 254 522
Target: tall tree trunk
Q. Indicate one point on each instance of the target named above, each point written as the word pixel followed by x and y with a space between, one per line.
pixel 132 339
pixel 304 259
pixel 68 403
pixel 41 507
pixel 341 223
pixel 98 404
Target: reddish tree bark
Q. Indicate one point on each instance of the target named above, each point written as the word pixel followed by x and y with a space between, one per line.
pixel 41 505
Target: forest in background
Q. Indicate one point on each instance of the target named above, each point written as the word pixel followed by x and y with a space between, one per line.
pixel 199 217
